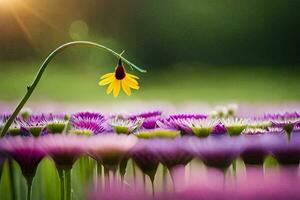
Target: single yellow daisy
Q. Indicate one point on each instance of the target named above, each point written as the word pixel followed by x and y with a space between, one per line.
pixel 119 78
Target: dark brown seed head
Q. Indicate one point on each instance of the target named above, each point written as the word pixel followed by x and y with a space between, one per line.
pixel 120 71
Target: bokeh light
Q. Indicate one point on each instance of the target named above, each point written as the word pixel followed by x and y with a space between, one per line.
pixel 79 30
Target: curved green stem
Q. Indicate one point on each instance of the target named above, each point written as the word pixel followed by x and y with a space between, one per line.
pixel 44 65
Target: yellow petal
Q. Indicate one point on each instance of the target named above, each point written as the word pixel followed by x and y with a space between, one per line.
pixel 110 88
pixel 132 80
pixel 131 84
pixel 116 87
pixel 107 75
pixel 106 81
pixel 133 76
pixel 125 87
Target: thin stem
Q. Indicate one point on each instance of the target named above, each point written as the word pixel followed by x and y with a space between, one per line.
pixel 107 181
pixel 29 187
pixel 144 182
pixel 99 169
pixel 68 184
pixel 134 173
pixel 224 177
pixel 99 175
pixel 115 178
pixel 122 168
pixel 44 65
pixel 164 178
pixel 234 168
pixel 12 179
pixel 62 183
pixel 152 186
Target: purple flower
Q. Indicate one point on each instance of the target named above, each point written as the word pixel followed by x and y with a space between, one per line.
pixel 87 116
pixel 286 153
pixel 125 126
pixel 35 125
pixel 149 118
pixel 110 149
pixel 176 122
pixel 217 152
pixel 87 123
pixel 255 148
pixel 87 128
pixel 219 129
pixel 198 127
pixel 286 124
pixel 56 123
pixel 15 128
pixel 64 149
pixel 27 151
pixel 235 126
pixel 172 152
pixel 145 156
pixel 287 121
pixel 167 123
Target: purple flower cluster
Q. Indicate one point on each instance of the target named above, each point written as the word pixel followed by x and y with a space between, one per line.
pixel 92 123
pixel 149 139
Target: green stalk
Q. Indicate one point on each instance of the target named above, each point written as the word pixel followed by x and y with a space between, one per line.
pixel 144 182
pixel 44 65
pixel 68 184
pixel 134 173
pixel 122 169
pixel 99 170
pixel 164 177
pixel 234 168
pixel 152 186
pixel 29 187
pixel 224 171
pixel 99 175
pixel 62 183
pixel 12 179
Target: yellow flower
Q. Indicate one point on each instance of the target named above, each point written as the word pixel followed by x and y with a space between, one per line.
pixel 119 78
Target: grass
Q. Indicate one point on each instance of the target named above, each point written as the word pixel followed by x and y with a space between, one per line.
pixel 176 84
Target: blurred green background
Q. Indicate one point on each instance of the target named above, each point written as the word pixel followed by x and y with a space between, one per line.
pixel 202 50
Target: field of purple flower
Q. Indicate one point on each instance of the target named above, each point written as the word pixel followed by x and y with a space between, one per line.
pixel 223 153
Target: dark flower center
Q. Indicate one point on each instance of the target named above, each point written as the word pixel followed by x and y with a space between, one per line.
pixel 120 71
